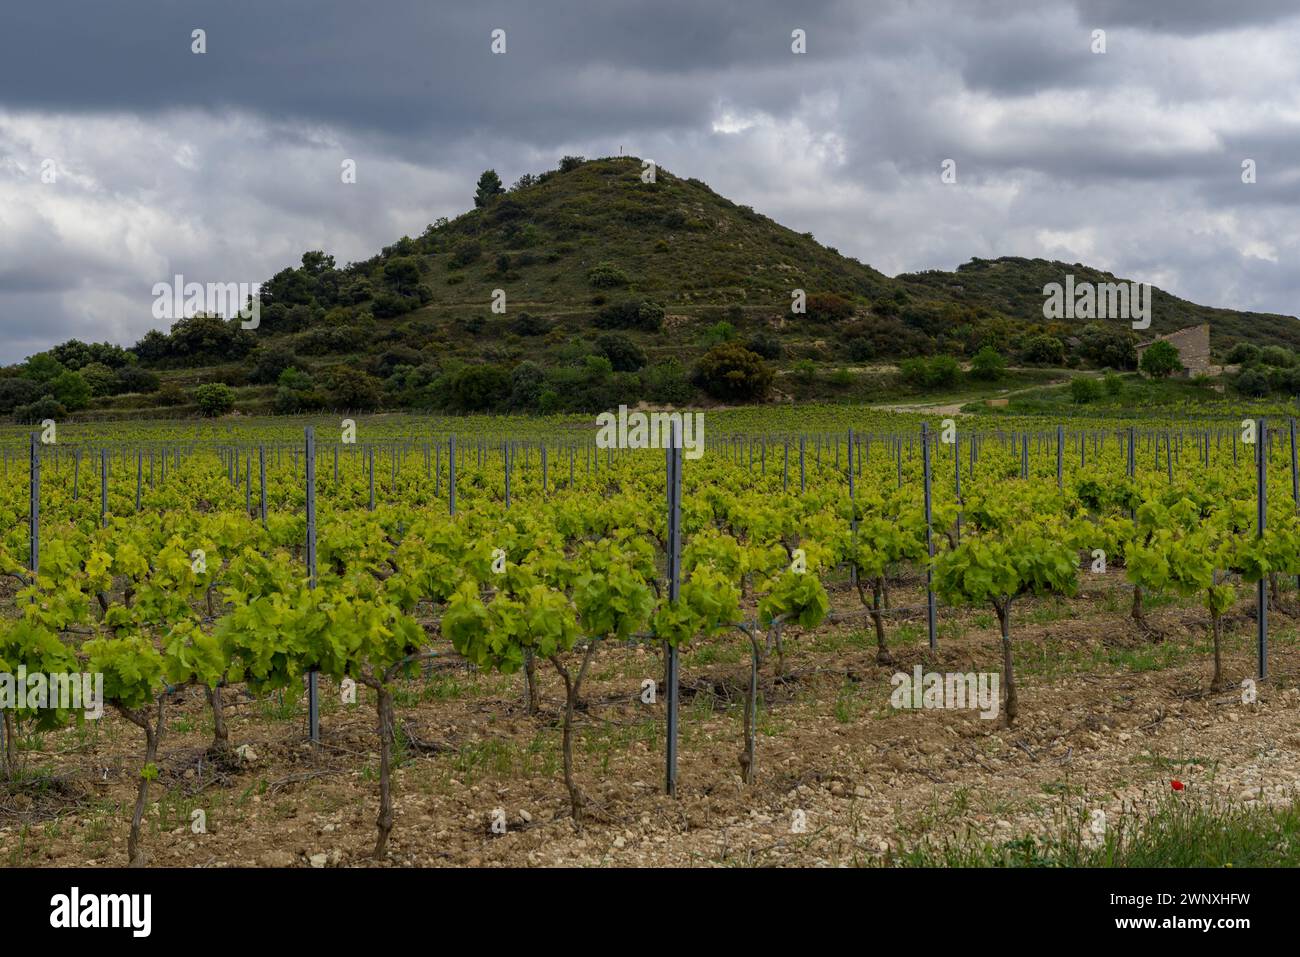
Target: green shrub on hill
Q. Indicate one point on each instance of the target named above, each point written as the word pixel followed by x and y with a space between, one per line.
pixel 351 390
pixel 1083 391
pixel 38 411
pixel 732 373
pixel 987 365
pixel 623 354
pixel 1160 360
pixel 933 373
pixel 606 275
pixel 828 307
pixel 631 314
pixel 215 398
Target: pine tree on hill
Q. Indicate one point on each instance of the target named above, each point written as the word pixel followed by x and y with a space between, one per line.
pixel 489 185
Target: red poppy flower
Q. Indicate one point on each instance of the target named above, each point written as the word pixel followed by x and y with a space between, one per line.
pixel 1176 785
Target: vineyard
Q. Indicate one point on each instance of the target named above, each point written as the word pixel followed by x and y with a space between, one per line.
pixel 493 619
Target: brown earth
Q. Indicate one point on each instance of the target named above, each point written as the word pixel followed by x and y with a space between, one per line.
pixel 1108 717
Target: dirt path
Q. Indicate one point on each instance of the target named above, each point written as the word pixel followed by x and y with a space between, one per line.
pixel 955 408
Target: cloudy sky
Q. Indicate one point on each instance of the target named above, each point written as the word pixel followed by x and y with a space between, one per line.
pixel 225 166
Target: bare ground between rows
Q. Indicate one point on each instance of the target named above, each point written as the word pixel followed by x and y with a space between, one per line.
pixel 1108 718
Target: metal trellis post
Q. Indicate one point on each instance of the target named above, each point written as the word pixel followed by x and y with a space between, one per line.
pixel 674 482
pixel 1261 594
pixel 313 683
pixel 929 540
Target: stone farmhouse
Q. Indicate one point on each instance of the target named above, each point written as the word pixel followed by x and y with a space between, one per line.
pixel 1193 345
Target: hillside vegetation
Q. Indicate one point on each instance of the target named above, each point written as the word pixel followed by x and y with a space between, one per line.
pixel 586 287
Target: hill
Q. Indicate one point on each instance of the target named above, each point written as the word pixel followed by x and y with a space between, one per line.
pixel 1014 286
pixel 586 287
